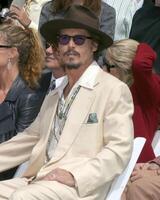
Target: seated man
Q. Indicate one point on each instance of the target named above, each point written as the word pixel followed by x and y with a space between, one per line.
pixel 83 135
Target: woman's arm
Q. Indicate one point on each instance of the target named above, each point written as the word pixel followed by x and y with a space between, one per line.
pixel 28 107
pixel 146 82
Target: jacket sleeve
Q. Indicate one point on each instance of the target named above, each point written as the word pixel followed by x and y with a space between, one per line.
pixel 28 107
pixel 107 19
pixel 18 149
pixel 45 14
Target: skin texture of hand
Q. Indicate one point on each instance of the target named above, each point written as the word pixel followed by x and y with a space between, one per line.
pixel 20 15
pixel 139 169
pixel 62 176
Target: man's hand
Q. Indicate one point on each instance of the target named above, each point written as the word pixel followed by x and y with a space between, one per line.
pixel 153 166
pixel 62 176
pixel 20 14
pixel 135 176
pixel 140 168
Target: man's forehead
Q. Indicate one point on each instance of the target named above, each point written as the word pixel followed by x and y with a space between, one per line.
pixel 74 30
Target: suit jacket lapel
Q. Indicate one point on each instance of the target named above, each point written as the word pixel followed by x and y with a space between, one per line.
pixel 49 114
pixel 76 117
pixel 46 124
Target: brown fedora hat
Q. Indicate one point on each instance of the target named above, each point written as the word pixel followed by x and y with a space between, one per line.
pixel 76 16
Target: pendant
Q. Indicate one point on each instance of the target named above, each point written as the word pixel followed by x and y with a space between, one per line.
pixel 60 115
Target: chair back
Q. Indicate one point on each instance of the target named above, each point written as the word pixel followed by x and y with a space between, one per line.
pixel 156 143
pixel 121 181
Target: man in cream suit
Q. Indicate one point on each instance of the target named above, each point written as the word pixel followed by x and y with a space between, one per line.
pixel 82 137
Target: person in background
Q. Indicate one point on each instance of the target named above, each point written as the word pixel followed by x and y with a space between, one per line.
pixel 132 62
pixel 125 10
pixel 145 27
pixel 54 73
pixel 83 136
pixel 21 62
pixel 28 15
pixel 105 12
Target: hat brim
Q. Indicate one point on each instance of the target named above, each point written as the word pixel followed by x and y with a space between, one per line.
pixel 50 30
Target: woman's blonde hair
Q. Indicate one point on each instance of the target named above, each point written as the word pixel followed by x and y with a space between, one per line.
pixel 30 50
pixel 95 5
pixel 121 55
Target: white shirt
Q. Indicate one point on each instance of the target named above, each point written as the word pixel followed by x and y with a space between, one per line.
pixel 58 81
pixel 125 10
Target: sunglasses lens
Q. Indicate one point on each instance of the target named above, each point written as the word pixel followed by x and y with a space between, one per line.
pixel 48 45
pixel 63 39
pixel 79 39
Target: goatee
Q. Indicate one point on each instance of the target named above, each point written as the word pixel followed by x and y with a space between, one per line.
pixel 71 65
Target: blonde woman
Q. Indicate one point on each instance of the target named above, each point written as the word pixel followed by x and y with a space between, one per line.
pixel 132 63
pixel 21 62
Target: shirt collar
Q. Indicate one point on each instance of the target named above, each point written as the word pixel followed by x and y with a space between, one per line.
pixel 87 79
pixel 60 85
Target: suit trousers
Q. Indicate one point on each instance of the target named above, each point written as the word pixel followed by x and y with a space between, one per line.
pixel 145 188
pixel 20 189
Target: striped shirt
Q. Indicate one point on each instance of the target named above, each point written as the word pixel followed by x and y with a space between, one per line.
pixel 125 10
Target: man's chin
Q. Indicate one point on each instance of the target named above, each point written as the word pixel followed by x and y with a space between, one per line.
pixel 72 65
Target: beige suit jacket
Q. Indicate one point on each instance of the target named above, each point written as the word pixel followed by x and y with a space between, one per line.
pixel 94 151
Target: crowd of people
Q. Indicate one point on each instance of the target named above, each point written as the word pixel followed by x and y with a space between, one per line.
pixel 80 79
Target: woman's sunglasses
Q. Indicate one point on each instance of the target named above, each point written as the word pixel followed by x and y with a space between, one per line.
pixel 5 46
pixel 78 39
pixel 48 45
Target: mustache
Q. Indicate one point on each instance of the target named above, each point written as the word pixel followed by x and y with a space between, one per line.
pixel 70 53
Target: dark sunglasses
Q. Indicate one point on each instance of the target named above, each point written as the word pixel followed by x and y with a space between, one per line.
pixel 107 65
pixel 78 39
pixel 5 46
pixel 54 46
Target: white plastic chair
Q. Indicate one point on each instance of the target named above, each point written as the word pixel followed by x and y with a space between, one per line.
pixel 21 169
pixel 120 182
pixel 156 143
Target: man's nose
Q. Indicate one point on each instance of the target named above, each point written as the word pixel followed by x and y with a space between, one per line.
pixel 71 43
